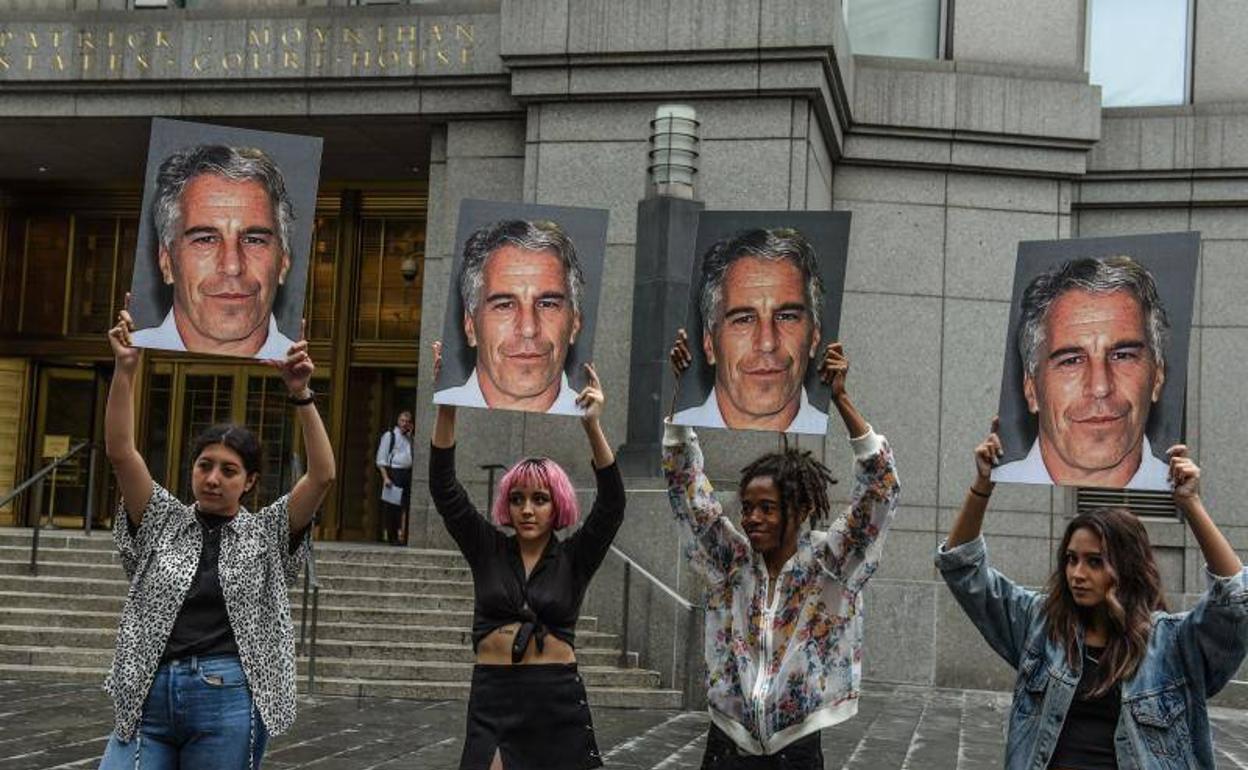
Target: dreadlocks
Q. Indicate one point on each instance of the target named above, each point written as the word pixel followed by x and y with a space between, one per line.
pixel 801 480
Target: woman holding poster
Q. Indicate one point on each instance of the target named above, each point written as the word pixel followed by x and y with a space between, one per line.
pixel 528 588
pixel 204 669
pixel 1107 677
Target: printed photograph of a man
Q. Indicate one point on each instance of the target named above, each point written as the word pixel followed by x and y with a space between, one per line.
pixel 1095 341
pixel 765 299
pixel 519 318
pixel 223 222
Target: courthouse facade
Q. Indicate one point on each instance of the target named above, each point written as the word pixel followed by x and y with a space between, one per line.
pixel 984 131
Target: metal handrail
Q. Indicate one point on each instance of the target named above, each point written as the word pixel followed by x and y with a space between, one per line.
pixel 39 474
pixel 310 581
pixel 37 477
pixel 630 565
pixel 311 586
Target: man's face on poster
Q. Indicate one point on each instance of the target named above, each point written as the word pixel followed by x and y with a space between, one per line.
pixel 1094 385
pixel 763 339
pixel 522 328
pixel 225 262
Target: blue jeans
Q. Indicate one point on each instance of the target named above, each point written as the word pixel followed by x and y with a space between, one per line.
pixel 198 716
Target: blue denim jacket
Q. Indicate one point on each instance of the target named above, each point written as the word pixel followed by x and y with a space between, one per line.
pixel 1163 723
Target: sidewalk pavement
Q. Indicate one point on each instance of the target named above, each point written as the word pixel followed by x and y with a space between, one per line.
pixel 45 726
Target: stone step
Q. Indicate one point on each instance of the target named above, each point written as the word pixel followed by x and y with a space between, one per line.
pixel 365 600
pixel 107 566
pixel 95 618
pixel 424 576
pixel 40 635
pixel 454 619
pixel 48 568
pixel 383 632
pixel 334 639
pixel 64 585
pixel 395 570
pixel 27 616
pixel 440 671
pixel 54 584
pixel 357 601
pixel 599 697
pixel 99 540
pixel 74 657
pixel 437 652
pixel 102 540
pixel 63 602
pixel 356 554
pixel 21 555
pixel 618 697
pixel 417 662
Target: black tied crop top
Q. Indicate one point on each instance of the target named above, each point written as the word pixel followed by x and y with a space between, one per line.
pixel 549 600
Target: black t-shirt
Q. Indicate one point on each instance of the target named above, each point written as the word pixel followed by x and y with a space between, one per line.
pixel 203 625
pixel 1087 739
pixel 549 599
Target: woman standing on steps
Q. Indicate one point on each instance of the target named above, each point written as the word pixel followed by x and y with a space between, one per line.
pixel 527 709
pixel 1107 677
pixel 204 668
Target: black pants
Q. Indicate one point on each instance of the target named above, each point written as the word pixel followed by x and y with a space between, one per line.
pixel 392 516
pixel 722 754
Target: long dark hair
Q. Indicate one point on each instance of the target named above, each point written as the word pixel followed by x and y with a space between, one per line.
pixel 801 480
pixel 1133 595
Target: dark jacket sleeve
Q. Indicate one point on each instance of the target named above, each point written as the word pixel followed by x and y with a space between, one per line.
pixel 591 541
pixel 469 529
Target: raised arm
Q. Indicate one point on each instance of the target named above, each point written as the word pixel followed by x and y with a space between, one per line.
pixel 970 519
pixel 1185 475
pixel 854 544
pixel 593 400
pixel 1216 630
pixel 134 481
pixel 714 547
pixel 466 525
pixel 591 541
pixel 309 491
pixel 1002 611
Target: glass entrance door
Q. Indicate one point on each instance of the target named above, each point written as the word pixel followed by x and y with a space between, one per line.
pixel 68 414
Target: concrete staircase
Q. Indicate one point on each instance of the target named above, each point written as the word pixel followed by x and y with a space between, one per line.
pixel 393 622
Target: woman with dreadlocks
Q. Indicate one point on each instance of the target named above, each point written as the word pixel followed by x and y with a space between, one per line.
pixel 783 606
pixel 1107 677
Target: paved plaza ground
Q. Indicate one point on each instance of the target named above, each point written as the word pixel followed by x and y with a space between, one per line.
pixel 45 726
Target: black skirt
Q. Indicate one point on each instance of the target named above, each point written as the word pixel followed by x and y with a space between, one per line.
pixel 536 716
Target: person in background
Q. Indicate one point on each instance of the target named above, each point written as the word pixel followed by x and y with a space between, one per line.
pixel 394 461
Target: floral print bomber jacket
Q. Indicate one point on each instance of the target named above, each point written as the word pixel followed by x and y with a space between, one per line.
pixel 782 669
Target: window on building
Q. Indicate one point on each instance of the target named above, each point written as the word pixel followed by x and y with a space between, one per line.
pixel 907 28
pixel 1139 51
pixel 391 250
pixel 320 295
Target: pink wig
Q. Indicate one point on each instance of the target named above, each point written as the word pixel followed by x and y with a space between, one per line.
pixel 544 473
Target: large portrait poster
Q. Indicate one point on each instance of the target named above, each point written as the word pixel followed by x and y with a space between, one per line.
pixel 765 298
pixel 1094 383
pixel 521 311
pixel 224 239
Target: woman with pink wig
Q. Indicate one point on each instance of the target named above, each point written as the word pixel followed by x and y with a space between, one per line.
pixel 527 707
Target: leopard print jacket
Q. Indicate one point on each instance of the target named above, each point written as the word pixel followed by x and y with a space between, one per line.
pixel 259 561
